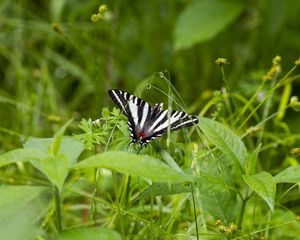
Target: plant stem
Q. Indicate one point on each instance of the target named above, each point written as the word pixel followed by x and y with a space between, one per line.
pixel 241 213
pixel 194 207
pixel 94 203
pixel 57 209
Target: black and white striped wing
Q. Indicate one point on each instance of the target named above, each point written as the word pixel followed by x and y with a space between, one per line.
pixel 136 110
pixel 162 119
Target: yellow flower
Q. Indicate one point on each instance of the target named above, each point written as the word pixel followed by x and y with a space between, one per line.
pixel 275 69
pixel 57 28
pixel 102 9
pixel 94 18
pixel 295 151
pixel 297 62
pixel 276 60
pixel 221 61
pixel 294 103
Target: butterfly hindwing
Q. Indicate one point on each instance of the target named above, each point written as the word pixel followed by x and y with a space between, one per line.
pixel 169 118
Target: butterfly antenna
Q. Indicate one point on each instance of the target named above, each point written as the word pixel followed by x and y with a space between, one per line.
pixel 131 142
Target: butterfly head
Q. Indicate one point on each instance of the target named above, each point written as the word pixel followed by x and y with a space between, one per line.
pixel 141 135
pixel 140 138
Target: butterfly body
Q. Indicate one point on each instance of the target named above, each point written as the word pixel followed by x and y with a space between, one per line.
pixel 147 122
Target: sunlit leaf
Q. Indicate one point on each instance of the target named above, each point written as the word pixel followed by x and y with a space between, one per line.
pixel 289 175
pixel 216 197
pixel 137 165
pixel 225 140
pixel 264 185
pixel 163 189
pixel 86 233
pixel 55 167
pixel 20 155
pixel 202 20
pixel 21 209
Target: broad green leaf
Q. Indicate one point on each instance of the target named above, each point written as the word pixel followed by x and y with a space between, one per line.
pixel 169 160
pixel 89 233
pixel 20 155
pixel 289 175
pixel 136 165
pixel 55 167
pixel 217 198
pixel 202 20
pixel 225 140
pixel 163 189
pixel 21 209
pixel 264 185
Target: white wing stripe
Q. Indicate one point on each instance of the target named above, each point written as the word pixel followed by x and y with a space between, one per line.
pixel 134 110
pixel 173 118
pixel 184 123
pixel 145 115
pixel 162 115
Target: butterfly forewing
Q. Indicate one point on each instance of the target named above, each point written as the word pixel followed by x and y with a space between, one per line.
pixel 136 110
pixel 146 122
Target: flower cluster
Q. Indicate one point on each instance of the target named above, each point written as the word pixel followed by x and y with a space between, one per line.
pixel 275 69
pixel 100 15
pixel 294 103
pixel 297 62
pixel 221 61
pixel 226 229
pixel 296 151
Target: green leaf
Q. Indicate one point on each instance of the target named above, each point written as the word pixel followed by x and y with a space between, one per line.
pixel 136 165
pixel 217 198
pixel 203 20
pixel 21 209
pixel 20 155
pixel 86 233
pixel 264 185
pixel 289 175
pixel 55 167
pixel 58 137
pixel 163 189
pixel 225 140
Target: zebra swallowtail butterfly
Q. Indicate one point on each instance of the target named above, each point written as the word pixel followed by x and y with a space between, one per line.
pixel 147 122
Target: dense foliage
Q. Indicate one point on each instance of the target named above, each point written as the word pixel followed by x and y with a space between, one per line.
pixel 233 63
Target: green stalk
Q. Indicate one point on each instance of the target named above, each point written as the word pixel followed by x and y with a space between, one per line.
pixel 194 207
pixel 57 209
pixel 227 91
pixel 95 191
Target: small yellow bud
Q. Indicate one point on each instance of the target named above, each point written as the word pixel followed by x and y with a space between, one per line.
pixel 294 99
pixel 54 118
pixel 100 16
pixel 297 62
pixel 294 103
pixel 103 8
pixel 221 61
pixel 274 71
pixel 296 151
pixel 57 28
pixel 218 222
pixel 94 18
pixel 297 218
pixel 233 228
pixel 276 60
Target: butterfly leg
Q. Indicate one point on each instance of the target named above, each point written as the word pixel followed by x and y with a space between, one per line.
pixel 140 148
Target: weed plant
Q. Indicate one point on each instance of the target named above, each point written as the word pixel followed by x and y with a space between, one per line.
pixel 65 169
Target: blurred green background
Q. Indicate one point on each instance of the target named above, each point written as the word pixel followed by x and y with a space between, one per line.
pixel 56 63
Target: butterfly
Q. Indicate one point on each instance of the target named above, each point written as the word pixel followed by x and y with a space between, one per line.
pixel 147 122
